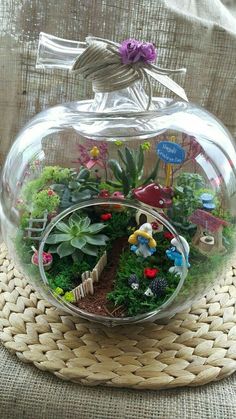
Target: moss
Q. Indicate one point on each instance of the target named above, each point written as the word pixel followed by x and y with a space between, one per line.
pixel 42 201
pixel 65 273
pixel 56 173
pixel 24 220
pixel 135 301
pixel 118 224
pixel 23 248
pixel 49 174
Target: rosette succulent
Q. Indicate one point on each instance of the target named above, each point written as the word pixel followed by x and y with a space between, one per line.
pixel 76 237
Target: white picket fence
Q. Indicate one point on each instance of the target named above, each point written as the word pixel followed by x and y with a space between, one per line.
pixel 89 277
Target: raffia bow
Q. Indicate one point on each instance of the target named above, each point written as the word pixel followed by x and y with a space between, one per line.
pixel 101 63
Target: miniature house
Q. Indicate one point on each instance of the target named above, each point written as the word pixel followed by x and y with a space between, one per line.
pixel 141 217
pixel 208 237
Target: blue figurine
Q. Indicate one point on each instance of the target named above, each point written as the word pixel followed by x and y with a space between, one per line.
pixel 175 253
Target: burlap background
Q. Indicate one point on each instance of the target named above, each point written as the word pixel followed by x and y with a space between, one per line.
pixel 200 35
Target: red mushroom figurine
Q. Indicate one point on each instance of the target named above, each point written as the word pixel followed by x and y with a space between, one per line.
pixel 154 195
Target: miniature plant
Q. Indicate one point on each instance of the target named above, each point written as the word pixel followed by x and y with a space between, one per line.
pixel 191 180
pixel 129 172
pixel 78 188
pixel 62 281
pixel 186 198
pixel 69 297
pixel 45 200
pixel 133 298
pixel 49 175
pixel 78 236
pixel 117 225
pixel 66 274
pixel 59 291
pixel 146 146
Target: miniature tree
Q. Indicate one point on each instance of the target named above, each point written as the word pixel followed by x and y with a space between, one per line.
pixel 186 199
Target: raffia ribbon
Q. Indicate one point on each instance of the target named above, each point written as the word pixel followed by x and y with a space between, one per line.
pixel 101 63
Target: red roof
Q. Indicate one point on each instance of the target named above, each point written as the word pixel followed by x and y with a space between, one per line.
pixel 207 220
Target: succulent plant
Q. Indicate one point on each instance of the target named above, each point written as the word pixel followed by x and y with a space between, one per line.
pixel 79 188
pixel 77 236
pixel 129 172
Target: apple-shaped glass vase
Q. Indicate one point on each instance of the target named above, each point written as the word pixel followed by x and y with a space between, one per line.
pixel 119 209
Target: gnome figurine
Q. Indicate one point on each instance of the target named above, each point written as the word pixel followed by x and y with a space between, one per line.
pixel 142 241
pixel 175 253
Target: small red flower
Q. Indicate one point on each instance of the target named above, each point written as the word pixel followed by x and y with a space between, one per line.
pixel 50 192
pixel 104 193
pixel 150 272
pixel 155 225
pixel 106 217
pixel 168 235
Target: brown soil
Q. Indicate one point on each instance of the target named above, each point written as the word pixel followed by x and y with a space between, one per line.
pixel 97 303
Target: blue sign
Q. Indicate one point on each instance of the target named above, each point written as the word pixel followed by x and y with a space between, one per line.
pixel 170 152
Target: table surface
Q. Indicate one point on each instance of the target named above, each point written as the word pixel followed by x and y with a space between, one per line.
pixel 28 393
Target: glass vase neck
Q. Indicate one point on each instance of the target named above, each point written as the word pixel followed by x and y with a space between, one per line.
pixel 130 99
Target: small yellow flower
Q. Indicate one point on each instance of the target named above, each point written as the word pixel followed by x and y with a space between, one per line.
pixel 59 291
pixel 118 143
pixel 146 146
pixel 69 297
pixel 94 152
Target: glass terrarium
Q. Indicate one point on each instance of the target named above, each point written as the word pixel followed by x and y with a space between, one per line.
pixel 117 213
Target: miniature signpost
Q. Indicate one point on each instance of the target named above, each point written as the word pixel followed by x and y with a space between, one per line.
pixel 170 153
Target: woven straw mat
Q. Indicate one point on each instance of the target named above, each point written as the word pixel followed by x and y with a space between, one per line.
pixel 195 347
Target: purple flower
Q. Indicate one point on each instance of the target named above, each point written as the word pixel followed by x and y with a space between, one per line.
pixel 132 51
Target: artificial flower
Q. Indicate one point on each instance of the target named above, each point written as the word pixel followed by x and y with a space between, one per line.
pixel 106 217
pixel 146 146
pixel 150 273
pixel 132 51
pixel 155 225
pixel 50 192
pixel 118 143
pixel 168 235
pixel 104 193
